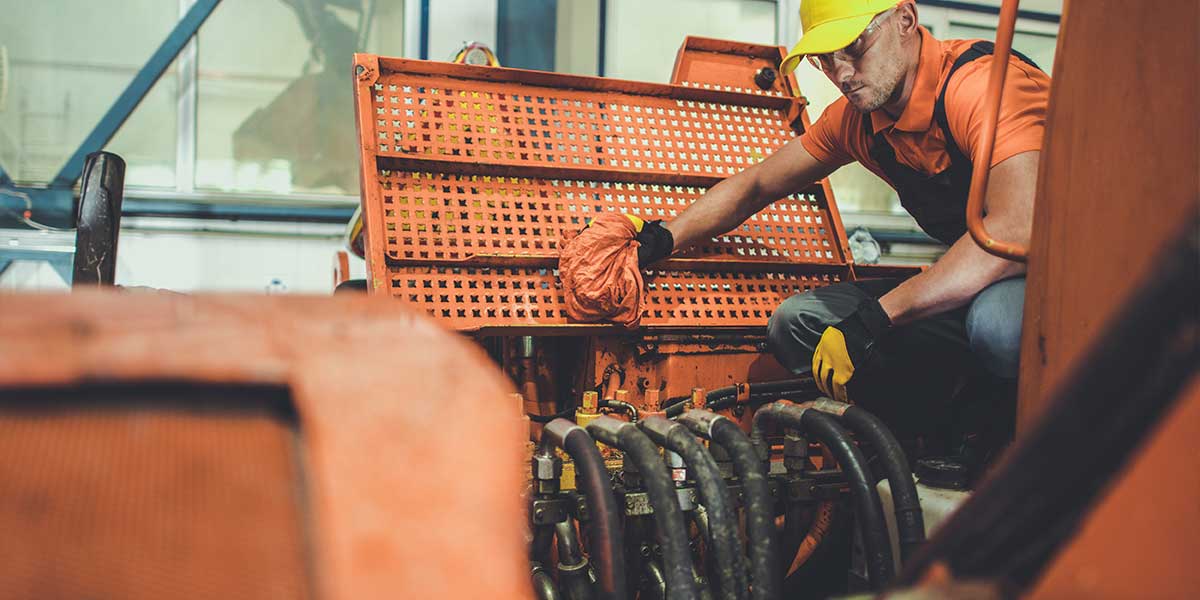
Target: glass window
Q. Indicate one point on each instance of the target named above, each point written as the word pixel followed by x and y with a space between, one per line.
pixel 275 108
pixel 642 38
pixel 62 79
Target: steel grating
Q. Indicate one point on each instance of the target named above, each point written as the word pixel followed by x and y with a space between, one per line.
pixel 474 175
pixel 437 217
pixel 481 297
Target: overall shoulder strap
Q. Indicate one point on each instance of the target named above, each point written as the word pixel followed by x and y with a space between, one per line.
pixel 976 51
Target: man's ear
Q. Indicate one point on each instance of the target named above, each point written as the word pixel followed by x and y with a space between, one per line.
pixel 907 18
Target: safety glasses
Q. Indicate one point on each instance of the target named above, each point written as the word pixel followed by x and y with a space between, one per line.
pixel 854 52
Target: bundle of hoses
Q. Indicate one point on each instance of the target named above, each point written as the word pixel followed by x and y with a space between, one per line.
pixel 820 420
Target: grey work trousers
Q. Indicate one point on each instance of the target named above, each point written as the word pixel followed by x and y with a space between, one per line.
pixel 914 368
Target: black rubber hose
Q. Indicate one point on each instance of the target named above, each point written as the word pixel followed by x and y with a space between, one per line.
pixel 565 413
pixel 714 495
pixel 625 407
pixel 910 522
pixel 539 548
pixel 605 538
pixel 544 587
pixel 725 397
pixel 574 574
pixel 760 522
pixel 868 509
pixel 668 516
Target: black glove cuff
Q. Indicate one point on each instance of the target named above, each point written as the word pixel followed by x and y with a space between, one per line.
pixel 873 318
pixel 656 242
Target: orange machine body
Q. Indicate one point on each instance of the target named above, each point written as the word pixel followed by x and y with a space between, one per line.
pixel 374 470
pixel 471 176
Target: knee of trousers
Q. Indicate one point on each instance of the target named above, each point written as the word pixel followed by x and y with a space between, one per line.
pixel 994 326
pixel 794 330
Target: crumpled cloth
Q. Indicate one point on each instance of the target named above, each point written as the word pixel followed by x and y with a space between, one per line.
pixel 599 272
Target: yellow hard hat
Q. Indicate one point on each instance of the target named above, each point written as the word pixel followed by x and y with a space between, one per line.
pixel 829 25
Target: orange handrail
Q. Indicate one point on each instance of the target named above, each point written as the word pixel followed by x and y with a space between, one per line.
pixel 982 167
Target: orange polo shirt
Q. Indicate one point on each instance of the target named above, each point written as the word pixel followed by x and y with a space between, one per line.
pixel 838 137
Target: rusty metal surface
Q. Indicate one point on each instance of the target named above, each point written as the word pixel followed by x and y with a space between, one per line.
pixel 473 176
pixel 413 471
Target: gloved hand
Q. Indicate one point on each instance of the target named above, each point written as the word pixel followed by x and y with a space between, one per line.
pixel 655 242
pixel 847 345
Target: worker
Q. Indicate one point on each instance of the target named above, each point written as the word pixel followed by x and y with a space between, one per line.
pixel 912 112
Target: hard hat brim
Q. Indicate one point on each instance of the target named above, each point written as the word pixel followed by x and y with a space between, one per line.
pixel 826 37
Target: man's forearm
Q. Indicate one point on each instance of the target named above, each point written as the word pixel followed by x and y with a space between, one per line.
pixel 961 273
pixel 724 207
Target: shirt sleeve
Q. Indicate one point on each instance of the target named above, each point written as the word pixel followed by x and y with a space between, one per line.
pixel 1022 122
pixel 825 140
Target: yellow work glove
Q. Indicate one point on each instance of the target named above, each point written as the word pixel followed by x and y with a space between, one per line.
pixel 655 241
pixel 847 345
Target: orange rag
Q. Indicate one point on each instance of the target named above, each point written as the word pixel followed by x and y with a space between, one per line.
pixel 600 275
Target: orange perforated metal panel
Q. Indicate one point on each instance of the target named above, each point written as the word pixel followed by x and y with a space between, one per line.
pixel 473 176
pixel 432 218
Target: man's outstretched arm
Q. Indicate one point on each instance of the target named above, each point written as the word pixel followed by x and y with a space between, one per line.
pixel 729 203
pixel 966 269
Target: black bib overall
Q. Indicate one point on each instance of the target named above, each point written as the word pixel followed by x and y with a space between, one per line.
pixel 938 202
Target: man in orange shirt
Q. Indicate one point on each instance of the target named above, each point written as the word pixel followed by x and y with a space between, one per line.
pixel 911 112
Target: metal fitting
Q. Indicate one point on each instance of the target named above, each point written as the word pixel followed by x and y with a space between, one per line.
pixel 557 430
pixel 700 422
pixel 686 499
pixel 591 403
pixel 832 407
pixel 795 451
pixel 608 430
pixel 546 466
pixel 657 428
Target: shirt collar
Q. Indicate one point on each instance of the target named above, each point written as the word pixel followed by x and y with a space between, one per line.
pixel 918 113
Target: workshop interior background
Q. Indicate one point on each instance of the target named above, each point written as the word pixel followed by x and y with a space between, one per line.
pixel 232 195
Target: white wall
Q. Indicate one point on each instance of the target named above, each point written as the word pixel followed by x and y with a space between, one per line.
pixel 453 23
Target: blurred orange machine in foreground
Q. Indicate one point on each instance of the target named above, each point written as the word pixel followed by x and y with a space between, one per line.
pixel 171 446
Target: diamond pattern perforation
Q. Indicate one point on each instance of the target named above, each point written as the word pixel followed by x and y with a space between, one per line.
pixel 472 298
pixel 470 121
pixel 447 217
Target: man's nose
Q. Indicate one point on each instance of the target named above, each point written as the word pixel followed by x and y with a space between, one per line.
pixel 843 72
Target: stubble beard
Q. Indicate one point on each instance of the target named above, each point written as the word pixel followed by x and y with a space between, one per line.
pixel 890 76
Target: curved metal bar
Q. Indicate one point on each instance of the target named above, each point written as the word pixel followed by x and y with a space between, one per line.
pixel 983 162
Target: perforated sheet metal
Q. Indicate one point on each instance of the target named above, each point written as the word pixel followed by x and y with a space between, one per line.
pixel 472 176
pixel 443 217
pixel 482 297
pixel 428 116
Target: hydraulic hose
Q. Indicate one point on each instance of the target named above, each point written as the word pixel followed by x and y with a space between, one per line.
pixel 605 538
pixel 868 508
pixel 668 516
pixel 574 575
pixel 765 391
pixel 714 495
pixel 760 522
pixel 544 587
pixel 910 522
